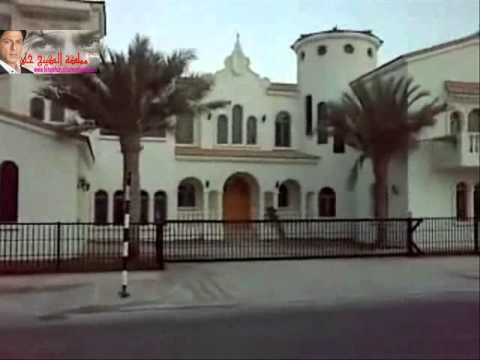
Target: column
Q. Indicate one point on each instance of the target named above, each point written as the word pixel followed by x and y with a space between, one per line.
pixel 206 209
pixel 219 205
pixel 261 205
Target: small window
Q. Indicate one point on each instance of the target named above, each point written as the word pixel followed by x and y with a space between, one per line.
pixel 474 121
pixel 184 129
pixel 237 124
pixel 8 192
pixel 222 130
pixel 118 207
pixel 57 112
pixel 160 207
pixel 322 133
pixel 455 123
pixel 461 201
pixel 252 130
pixel 322 50
pixel 282 129
pixel 302 55
pixel 308 115
pixel 144 207
pixel 370 52
pixel 37 108
pixel 283 196
pixel 101 207
pixel 349 49
pixel 327 202
pixel 186 195
pixel 338 144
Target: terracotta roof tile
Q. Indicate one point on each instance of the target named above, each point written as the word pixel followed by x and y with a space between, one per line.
pixel 461 87
pixel 243 153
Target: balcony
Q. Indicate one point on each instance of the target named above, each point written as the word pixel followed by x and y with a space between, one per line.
pixel 461 151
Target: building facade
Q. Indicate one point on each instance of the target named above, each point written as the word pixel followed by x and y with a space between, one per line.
pixel 268 148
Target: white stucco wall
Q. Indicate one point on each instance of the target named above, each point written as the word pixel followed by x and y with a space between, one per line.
pixel 48 172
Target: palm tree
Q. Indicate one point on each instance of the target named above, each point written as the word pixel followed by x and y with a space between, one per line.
pixel 379 122
pixel 131 95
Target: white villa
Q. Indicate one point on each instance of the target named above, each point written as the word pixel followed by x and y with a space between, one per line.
pixel 262 150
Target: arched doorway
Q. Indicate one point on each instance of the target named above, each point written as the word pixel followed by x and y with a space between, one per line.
pixel 237 199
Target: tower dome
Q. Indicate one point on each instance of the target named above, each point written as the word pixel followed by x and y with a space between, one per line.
pixel 328 61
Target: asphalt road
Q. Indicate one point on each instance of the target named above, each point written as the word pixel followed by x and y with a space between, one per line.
pixel 446 327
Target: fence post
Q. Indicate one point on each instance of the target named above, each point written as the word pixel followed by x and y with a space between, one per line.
pixel 59 231
pixel 409 235
pixel 159 244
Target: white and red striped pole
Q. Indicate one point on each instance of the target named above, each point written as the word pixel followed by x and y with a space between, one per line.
pixel 126 236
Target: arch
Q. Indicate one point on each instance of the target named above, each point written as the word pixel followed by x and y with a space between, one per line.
pixel 240 197
pixel 237 124
pixel 283 129
pixel 327 202
pixel 101 207
pixel 160 207
pixel 222 129
pixel 188 194
pixel 289 199
pixel 474 120
pixel 456 123
pixel 37 108
pixel 461 201
pixel 57 112
pixel 144 207
pixel 9 178
pixel 252 130
pixel 322 135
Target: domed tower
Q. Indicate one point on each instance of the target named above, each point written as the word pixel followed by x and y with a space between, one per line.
pixel 327 61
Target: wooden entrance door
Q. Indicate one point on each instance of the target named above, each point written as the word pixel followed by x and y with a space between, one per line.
pixel 236 200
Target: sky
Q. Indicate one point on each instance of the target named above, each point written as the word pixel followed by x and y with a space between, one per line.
pixel 268 28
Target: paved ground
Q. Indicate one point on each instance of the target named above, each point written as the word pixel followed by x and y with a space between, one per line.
pixel 420 327
pixel 327 282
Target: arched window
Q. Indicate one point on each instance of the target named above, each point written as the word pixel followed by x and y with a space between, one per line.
pixel 160 206
pixel 184 129
pixel 118 209
pixel 461 201
pixel 322 135
pixel 455 123
pixel 57 112
pixel 37 108
pixel 144 207
pixel 252 130
pixel 186 195
pixel 327 202
pixel 283 198
pixel 237 124
pixel 476 202
pixel 8 192
pixel 474 121
pixel 282 129
pixel 222 129
pixel 101 207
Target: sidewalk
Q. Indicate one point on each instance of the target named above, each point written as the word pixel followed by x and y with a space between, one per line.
pixel 326 282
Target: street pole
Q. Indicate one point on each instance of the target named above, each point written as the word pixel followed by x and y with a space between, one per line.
pixel 126 236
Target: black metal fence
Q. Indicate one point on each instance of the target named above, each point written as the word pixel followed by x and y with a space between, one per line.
pixel 48 247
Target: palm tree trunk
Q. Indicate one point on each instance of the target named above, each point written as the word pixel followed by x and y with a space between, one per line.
pixel 131 148
pixel 380 170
